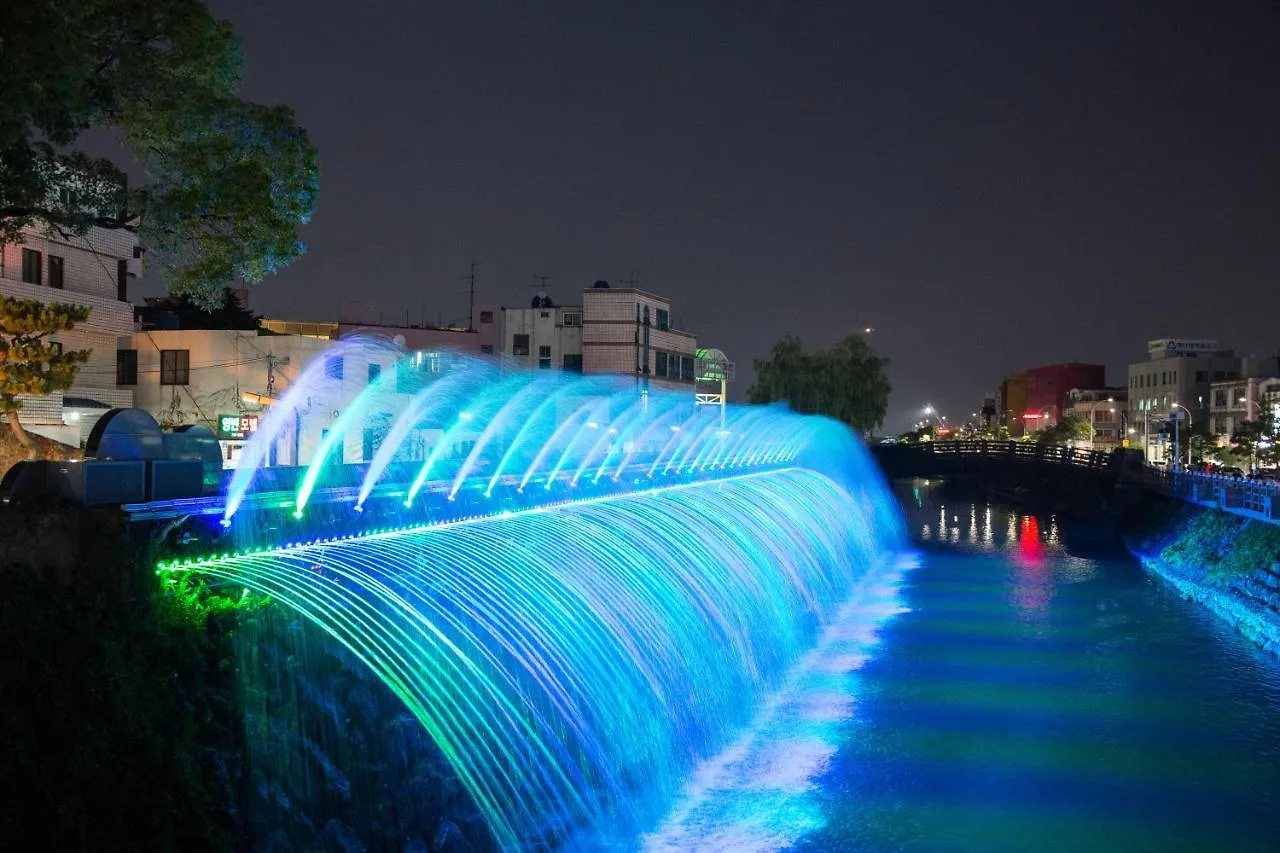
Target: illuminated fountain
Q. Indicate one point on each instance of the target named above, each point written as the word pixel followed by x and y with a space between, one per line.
pixel 583 594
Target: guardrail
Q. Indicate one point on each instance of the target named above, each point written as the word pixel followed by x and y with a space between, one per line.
pixel 1248 498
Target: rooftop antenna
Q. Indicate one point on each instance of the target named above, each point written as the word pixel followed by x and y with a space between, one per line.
pixel 471 303
pixel 540 282
pixel 630 280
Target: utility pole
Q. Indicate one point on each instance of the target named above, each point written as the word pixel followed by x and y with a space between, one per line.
pixel 471 302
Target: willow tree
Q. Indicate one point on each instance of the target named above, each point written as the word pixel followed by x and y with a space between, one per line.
pixel 227 181
pixel 30 363
pixel 848 382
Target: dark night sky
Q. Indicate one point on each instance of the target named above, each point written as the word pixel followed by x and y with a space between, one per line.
pixel 991 185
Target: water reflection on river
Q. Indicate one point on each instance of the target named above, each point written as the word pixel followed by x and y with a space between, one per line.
pixel 1043 695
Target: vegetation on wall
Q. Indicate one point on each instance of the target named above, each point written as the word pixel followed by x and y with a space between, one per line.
pixel 1218 547
pixel 121 732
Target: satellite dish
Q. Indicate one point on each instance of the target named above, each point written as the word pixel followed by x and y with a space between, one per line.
pixel 398 340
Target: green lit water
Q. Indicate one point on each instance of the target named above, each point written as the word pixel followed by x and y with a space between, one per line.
pixel 1043 697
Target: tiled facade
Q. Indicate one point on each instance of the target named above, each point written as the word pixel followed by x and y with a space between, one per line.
pixel 93 271
pixel 613 329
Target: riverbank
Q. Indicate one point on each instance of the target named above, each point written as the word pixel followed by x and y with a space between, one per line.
pixel 150 714
pixel 1229 564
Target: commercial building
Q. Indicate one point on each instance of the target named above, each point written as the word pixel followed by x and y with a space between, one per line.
pixel 92 271
pixel 1177 375
pixel 1011 404
pixel 1048 387
pixel 1105 410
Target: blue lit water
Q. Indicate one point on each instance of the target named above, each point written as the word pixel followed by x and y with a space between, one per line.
pixel 1039 698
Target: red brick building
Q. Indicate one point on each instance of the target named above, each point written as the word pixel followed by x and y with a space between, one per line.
pixel 1047 389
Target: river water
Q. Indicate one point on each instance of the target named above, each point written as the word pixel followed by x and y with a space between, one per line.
pixel 1038 697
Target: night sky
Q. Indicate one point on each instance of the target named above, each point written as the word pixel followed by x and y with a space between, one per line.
pixel 991 186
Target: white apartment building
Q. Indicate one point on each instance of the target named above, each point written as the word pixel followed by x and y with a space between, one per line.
pixel 92 271
pixel 609 333
pixel 226 380
pixel 542 337
pixel 1236 401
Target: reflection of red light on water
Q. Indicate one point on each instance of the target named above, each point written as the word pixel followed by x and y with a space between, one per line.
pixel 1030 548
pixel 1033 588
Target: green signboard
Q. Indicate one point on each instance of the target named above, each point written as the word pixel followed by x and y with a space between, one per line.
pixel 235 427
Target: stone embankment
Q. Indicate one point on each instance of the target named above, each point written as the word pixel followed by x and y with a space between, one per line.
pixel 1229 564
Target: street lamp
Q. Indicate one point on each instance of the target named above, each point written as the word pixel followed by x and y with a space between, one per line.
pixel 1177 449
pixel 929 410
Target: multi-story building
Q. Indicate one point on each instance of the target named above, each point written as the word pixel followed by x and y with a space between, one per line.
pixel 92 271
pixel 1104 409
pixel 227 380
pixel 543 336
pixel 1047 389
pixel 626 331
pixel 1011 404
pixel 1178 375
pixel 1233 402
pixel 618 331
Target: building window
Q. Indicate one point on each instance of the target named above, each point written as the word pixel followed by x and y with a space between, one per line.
pixel 686 367
pixel 519 344
pixel 126 367
pixel 55 272
pixel 175 367
pixel 486 317
pixel 30 266
pixel 573 363
pixel 333 367
pixel 1202 376
pixel 572 318
pixel 544 358
pixel 664 319
pixel 375 370
pixel 122 281
pixel 486 349
pixel 544 314
pixel 1220 399
pixel 659 364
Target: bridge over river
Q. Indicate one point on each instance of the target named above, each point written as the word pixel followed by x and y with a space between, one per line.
pixel 1084 478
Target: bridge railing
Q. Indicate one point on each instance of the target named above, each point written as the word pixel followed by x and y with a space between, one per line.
pixel 1249 498
pixel 1021 450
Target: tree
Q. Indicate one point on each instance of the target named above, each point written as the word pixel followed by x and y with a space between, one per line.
pixel 1203 445
pixel 1071 428
pixel 229 312
pixel 228 182
pixel 847 382
pixel 31 364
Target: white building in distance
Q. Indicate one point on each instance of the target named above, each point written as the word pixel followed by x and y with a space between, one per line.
pixel 92 271
pixel 614 331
